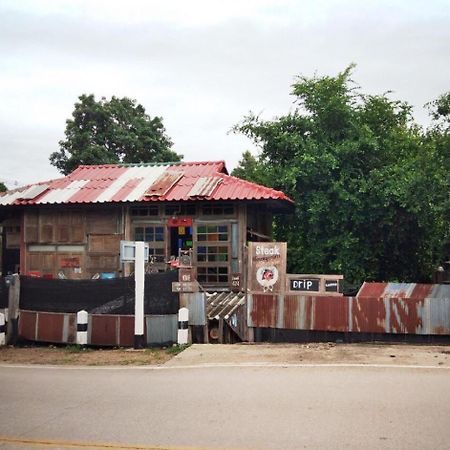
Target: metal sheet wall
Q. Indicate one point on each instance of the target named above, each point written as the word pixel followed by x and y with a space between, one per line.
pixel 348 314
pixel 161 329
pixel 196 303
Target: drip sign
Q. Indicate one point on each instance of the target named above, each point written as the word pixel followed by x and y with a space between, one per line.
pixel 305 284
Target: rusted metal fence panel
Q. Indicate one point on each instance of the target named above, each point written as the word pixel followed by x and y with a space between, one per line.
pixel 406 316
pixel 439 315
pixel 368 315
pixel 383 315
pixel 27 325
pixel 262 311
pixel 58 328
pixel 331 313
pixel 103 330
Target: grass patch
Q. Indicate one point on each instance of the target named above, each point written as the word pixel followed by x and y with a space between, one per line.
pixel 175 349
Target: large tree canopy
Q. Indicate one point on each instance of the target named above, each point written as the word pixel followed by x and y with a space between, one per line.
pixel 371 187
pixel 3 187
pixel 111 131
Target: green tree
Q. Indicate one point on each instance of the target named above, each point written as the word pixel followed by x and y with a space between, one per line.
pixel 367 182
pixel 3 187
pixel 249 169
pixel 111 131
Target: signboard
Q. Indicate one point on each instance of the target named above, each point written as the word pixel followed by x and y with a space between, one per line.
pixel 304 284
pixel 331 286
pixel 313 284
pixel 190 286
pixel 267 268
pixel 128 251
pixel 235 282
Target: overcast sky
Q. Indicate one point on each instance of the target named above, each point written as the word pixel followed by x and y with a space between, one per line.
pixel 202 65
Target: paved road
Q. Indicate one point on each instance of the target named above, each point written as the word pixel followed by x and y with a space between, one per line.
pixel 226 407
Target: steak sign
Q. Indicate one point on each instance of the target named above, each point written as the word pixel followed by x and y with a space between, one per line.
pixel 267 268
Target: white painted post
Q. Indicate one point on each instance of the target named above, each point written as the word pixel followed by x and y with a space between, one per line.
pixel 183 326
pixel 82 327
pixel 2 329
pixel 139 280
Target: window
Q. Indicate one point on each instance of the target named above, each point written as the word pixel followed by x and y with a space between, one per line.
pixel 180 210
pixel 149 234
pixel 213 253
pixel 212 233
pixel 212 274
pixel 154 236
pixel 217 209
pixel 144 211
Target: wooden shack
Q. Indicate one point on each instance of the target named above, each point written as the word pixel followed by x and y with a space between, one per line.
pixel 72 227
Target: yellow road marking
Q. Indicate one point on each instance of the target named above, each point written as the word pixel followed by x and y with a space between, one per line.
pixel 61 444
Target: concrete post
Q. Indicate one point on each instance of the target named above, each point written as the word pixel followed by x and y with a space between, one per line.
pixel 82 327
pixel 183 326
pixel 139 280
pixel 2 329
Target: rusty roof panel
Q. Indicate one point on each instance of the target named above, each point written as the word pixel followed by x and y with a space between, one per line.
pixel 396 290
pixel 223 304
pixel 163 184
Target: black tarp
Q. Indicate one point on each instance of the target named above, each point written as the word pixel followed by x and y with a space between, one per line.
pixel 114 296
pixel 3 293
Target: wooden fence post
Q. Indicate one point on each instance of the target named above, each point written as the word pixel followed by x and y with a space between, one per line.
pixel 13 309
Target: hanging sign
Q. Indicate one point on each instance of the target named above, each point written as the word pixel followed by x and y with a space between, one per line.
pixel 267 268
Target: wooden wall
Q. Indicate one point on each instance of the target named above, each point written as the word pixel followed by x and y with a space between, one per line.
pixel 77 243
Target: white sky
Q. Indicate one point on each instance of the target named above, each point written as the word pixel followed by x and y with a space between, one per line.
pixel 201 65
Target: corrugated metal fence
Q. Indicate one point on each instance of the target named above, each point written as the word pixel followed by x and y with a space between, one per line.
pixel 377 313
pixel 103 329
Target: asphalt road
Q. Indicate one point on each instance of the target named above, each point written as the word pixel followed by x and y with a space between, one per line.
pixel 225 407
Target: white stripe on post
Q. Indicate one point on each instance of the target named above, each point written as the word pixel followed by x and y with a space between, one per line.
pixel 2 329
pixel 139 280
pixel 82 327
pixel 183 326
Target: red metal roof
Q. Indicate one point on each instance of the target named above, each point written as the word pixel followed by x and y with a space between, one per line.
pixel 112 183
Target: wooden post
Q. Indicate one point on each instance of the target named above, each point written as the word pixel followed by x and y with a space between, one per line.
pixel 13 309
pixel 221 329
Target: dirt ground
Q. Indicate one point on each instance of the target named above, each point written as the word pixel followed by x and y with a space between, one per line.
pixel 317 353
pixel 199 354
pixel 74 355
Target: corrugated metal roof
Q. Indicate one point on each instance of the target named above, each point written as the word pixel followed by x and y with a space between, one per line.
pixel 112 183
pixel 223 304
pixel 204 186
pixel 404 290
